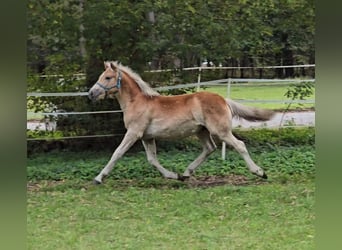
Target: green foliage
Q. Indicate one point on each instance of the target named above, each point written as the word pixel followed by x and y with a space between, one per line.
pixel 285 152
pixel 300 91
pixel 68 37
pixel 282 137
pixel 53 36
pixel 169 34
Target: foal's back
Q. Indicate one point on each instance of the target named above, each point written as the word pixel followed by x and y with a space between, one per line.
pixel 184 115
pixel 183 103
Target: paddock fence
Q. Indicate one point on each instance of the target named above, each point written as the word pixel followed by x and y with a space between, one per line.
pixel 228 82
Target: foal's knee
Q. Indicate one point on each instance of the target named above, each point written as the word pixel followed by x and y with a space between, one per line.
pixel 151 160
pixel 240 146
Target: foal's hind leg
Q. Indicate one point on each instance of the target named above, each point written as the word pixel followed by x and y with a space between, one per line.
pixel 208 147
pixel 151 152
pixel 241 148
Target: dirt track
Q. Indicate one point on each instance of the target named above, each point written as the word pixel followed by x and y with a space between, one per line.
pixel 306 118
pixel 193 182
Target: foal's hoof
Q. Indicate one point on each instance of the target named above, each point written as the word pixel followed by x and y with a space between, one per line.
pixel 264 176
pixel 183 177
pixel 96 182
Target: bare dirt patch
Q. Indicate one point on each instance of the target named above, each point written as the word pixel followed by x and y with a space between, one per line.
pixel 41 185
pixel 193 182
pixel 233 180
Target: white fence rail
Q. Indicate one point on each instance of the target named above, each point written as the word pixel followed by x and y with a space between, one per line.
pixel 223 67
pixel 229 82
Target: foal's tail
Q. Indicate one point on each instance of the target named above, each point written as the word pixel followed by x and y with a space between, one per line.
pixel 249 113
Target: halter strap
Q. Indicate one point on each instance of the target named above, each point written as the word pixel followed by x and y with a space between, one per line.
pixel 117 85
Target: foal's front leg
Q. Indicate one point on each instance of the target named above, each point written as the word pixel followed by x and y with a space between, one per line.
pixel 127 142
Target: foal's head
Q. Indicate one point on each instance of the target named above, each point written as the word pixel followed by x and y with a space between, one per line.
pixel 108 83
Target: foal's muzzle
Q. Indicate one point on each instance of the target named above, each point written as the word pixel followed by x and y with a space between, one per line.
pixel 94 93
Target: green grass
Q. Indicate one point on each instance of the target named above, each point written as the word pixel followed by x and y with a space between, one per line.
pixel 260 93
pixel 276 160
pixel 34 116
pixel 287 151
pixel 137 209
pixel 269 216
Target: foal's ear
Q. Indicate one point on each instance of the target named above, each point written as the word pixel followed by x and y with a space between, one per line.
pixel 113 66
pixel 106 65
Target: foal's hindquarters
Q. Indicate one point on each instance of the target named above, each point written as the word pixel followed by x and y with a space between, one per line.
pixel 239 145
pixel 219 124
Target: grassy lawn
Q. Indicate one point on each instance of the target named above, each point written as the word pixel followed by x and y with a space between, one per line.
pixel 82 216
pixel 137 209
pixel 260 93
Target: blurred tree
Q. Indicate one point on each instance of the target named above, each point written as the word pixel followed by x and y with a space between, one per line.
pixel 71 36
pixel 78 35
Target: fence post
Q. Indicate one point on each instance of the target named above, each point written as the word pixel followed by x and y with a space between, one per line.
pixel 223 153
pixel 199 78
pixel 228 87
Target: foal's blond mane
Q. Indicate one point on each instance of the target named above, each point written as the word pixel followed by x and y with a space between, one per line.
pixel 144 86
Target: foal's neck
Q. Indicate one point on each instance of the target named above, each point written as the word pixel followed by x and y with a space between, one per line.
pixel 128 93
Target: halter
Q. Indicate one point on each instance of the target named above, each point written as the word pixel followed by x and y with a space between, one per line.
pixel 117 85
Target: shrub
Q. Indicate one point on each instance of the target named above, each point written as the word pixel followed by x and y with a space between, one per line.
pixel 287 152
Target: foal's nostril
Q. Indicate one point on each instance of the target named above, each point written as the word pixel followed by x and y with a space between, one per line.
pixel 90 95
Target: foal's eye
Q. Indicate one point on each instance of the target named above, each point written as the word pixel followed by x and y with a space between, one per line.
pixel 108 78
